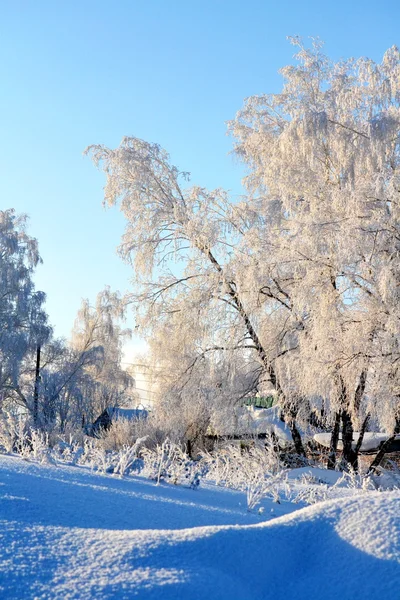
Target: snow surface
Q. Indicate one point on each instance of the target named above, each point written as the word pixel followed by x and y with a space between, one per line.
pixel 317 474
pixel 67 533
pixel 371 440
pixel 252 420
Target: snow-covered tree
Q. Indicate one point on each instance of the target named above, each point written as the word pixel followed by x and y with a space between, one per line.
pixel 23 321
pixel 79 379
pixel 98 330
pixel 300 274
pixel 323 158
pixel 205 237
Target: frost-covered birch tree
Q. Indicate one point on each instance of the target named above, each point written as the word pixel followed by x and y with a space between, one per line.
pixel 191 252
pixel 323 156
pixel 81 378
pixel 98 331
pixel 23 321
pixel 302 272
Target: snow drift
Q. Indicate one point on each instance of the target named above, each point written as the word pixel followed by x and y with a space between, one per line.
pixel 49 548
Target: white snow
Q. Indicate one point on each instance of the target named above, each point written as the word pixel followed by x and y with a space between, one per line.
pixel 67 533
pixel 316 474
pixel 253 420
pixel 371 440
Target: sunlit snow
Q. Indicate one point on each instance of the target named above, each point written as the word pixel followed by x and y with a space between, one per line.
pixel 68 533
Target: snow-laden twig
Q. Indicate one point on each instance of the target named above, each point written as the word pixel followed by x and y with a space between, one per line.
pixel 256 471
pixel 13 432
pixel 128 456
pixel 168 462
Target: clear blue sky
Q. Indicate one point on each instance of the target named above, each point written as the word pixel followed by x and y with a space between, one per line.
pixel 75 73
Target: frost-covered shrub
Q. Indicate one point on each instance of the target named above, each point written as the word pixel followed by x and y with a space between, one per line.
pixel 69 452
pixel 387 478
pixel 38 446
pixel 86 456
pixel 153 429
pixel 35 446
pixel 13 432
pixel 95 454
pixel 360 481
pixel 122 433
pixel 349 483
pixel 103 461
pixel 313 494
pixel 168 462
pixel 128 458
pixel 254 470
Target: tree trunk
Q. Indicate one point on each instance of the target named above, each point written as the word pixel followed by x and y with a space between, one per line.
pixel 36 390
pixel 359 393
pixel 296 437
pixel 189 448
pixel 361 438
pixel 334 442
pixel 232 292
pixel 379 457
pixel 349 456
pixel 397 426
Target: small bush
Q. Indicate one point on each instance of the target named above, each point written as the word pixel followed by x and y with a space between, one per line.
pixel 168 462
pixel 13 432
pixel 254 470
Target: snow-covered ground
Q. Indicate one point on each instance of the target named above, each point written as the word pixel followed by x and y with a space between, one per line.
pixel 68 533
pixel 371 440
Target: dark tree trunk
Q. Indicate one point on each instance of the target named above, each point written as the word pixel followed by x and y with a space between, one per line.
pixel 397 426
pixel 379 457
pixel 36 390
pixel 349 455
pixel 361 437
pixel 275 442
pixel 296 437
pixel 236 301
pixel 189 448
pixel 334 442
pixel 359 393
pixel 290 414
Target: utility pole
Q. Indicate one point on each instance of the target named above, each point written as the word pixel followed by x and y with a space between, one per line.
pixel 36 391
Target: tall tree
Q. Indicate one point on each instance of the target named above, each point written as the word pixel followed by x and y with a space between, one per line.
pixel 98 331
pixel 23 321
pixel 207 237
pixel 81 378
pixel 324 157
pixel 303 272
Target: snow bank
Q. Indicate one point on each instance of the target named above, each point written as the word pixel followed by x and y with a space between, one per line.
pixel 348 548
pixel 315 474
pixel 251 421
pixel 371 441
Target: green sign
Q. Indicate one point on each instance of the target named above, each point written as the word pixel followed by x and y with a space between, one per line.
pixel 260 401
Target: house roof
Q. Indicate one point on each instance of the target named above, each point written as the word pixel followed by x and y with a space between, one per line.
pixel 131 414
